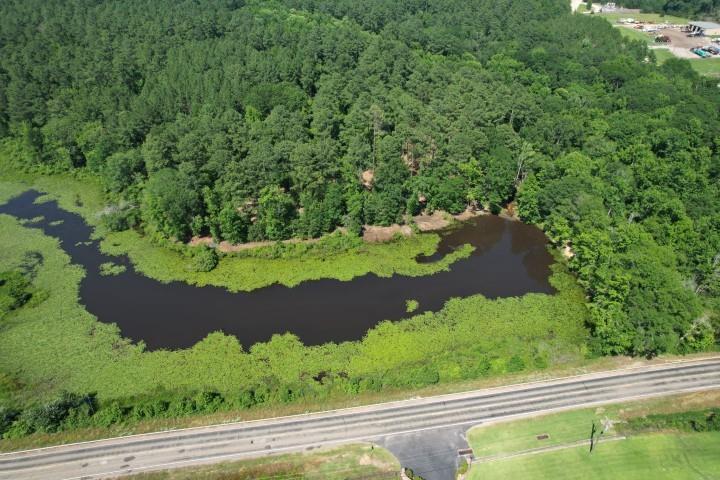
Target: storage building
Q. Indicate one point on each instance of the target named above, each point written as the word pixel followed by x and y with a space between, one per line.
pixel 709 29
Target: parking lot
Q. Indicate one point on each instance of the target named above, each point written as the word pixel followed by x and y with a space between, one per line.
pixel 680 44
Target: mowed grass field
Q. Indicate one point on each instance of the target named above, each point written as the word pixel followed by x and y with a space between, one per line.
pixel 644 17
pixel 637 35
pixel 704 66
pixel 518 453
pixel 657 456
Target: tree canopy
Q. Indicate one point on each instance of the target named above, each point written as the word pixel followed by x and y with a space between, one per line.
pixel 252 120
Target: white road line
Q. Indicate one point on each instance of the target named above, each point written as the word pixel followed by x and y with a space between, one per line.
pixel 273 451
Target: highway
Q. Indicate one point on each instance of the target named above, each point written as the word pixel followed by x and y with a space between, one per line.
pixel 374 423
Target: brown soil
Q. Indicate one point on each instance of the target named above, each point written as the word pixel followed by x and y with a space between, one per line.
pixel 440 219
pixel 428 223
pixel 568 252
pixel 375 234
pixel 372 233
pixel 227 247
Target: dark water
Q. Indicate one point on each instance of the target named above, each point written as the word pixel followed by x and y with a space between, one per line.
pixel 510 259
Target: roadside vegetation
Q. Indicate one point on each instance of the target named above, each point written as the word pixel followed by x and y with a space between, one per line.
pixel 348 462
pixel 668 438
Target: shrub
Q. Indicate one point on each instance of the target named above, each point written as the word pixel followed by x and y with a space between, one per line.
pixel 698 421
pixel 515 364
pixel 111 414
pixel 121 219
pixel 7 417
pixel 14 291
pixel 204 259
pixel 49 417
pixel 411 305
pixel 463 467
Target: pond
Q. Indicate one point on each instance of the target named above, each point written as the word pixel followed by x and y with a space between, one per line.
pixel 510 259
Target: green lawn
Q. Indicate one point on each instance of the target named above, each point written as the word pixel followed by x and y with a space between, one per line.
pixel 657 455
pixel 644 17
pixel 521 435
pixel 633 34
pixel 342 463
pixel 704 66
pixel 707 66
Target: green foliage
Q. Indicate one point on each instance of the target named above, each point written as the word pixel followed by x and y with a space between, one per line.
pixel 68 409
pixel 412 475
pixel 7 417
pixel 411 305
pixel 463 467
pixel 266 122
pixel 334 256
pixel 109 268
pixel 205 259
pixel 15 291
pixel 274 215
pixel 696 421
pixel 169 203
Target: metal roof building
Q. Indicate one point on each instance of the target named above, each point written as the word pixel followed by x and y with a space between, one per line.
pixel 706 28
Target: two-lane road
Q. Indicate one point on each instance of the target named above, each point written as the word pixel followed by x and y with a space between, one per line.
pixel 376 423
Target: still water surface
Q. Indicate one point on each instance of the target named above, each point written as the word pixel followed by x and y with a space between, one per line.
pixel 510 259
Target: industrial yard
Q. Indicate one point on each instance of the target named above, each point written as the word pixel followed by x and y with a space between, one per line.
pixel 668 36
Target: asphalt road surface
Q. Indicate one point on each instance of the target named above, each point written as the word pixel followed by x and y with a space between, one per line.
pixel 424 433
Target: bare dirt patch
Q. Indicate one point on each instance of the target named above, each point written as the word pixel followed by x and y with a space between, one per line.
pixel 680 44
pixel 375 234
pixel 439 219
pixel 227 247
pixel 428 223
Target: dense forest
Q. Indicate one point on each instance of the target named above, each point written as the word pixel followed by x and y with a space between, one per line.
pixel 254 120
pixel 684 8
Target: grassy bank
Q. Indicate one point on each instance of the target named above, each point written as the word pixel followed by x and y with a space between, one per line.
pixel 626 451
pixel 344 463
pixel 336 256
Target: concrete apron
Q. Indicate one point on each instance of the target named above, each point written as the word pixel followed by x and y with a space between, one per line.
pixel 432 454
